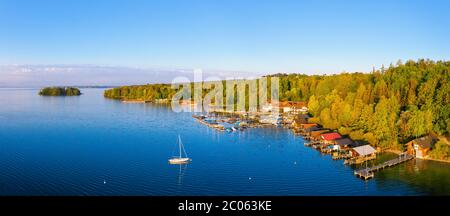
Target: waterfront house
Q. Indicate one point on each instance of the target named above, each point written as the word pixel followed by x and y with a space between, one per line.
pixel 300 119
pixel 342 144
pixel 307 125
pixel 315 135
pixel 296 123
pixel 356 143
pixel 329 138
pixel 271 106
pixel 299 107
pixel 362 153
pixel 420 147
pixel 293 107
pixel 285 107
pixel 303 127
pixel 304 109
pixel 303 118
pixel 311 129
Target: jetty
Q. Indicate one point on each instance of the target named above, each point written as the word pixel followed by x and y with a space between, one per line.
pixel 368 172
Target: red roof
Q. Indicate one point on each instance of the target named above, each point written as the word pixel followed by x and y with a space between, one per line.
pixel 330 136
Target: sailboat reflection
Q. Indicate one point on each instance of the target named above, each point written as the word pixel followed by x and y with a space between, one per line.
pixel 181 173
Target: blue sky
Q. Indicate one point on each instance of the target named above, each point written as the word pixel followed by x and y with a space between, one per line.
pixel 255 36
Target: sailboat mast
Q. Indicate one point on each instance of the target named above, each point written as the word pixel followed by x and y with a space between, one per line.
pixel 179 144
pixel 184 150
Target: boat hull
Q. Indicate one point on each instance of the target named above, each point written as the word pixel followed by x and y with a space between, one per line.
pixel 179 160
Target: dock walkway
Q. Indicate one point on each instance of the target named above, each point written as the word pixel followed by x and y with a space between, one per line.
pixel 368 173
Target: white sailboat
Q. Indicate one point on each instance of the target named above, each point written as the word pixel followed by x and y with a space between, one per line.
pixel 180 159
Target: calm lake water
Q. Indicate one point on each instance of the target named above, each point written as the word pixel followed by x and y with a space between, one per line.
pixel 89 145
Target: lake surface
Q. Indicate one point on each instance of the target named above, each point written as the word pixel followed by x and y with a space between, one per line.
pixel 89 145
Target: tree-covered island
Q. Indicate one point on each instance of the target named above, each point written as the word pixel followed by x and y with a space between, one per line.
pixel 60 91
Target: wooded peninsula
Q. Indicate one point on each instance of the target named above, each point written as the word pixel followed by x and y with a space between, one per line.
pixel 387 107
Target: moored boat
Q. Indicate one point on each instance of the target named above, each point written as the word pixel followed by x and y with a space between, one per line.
pixel 180 159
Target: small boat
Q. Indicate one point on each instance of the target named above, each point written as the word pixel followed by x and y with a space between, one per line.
pixel 180 159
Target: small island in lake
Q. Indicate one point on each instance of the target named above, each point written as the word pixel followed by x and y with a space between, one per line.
pixel 60 91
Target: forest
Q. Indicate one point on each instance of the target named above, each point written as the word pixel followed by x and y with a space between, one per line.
pixel 60 91
pixel 386 107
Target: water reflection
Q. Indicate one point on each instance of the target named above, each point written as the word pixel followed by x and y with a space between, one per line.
pixel 181 173
pixel 425 177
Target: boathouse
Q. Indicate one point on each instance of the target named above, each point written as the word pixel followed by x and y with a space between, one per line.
pixel 362 153
pixel 328 138
pixel 315 135
pixel 311 129
pixel 420 147
pixel 300 119
pixel 342 144
pixel 307 125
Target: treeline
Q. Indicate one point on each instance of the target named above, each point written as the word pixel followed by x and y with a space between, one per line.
pixel 153 92
pixel 386 107
pixel 60 91
pixel 149 92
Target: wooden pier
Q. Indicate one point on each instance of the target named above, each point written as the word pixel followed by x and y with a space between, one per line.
pixel 340 156
pixel 368 173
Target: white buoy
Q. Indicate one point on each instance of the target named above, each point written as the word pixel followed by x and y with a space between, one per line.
pixel 295 162
pixel 249 178
pixel 104 182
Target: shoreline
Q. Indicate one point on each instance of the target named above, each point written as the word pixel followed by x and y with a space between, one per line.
pixel 398 152
pixel 437 160
pixel 132 101
pixel 159 101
